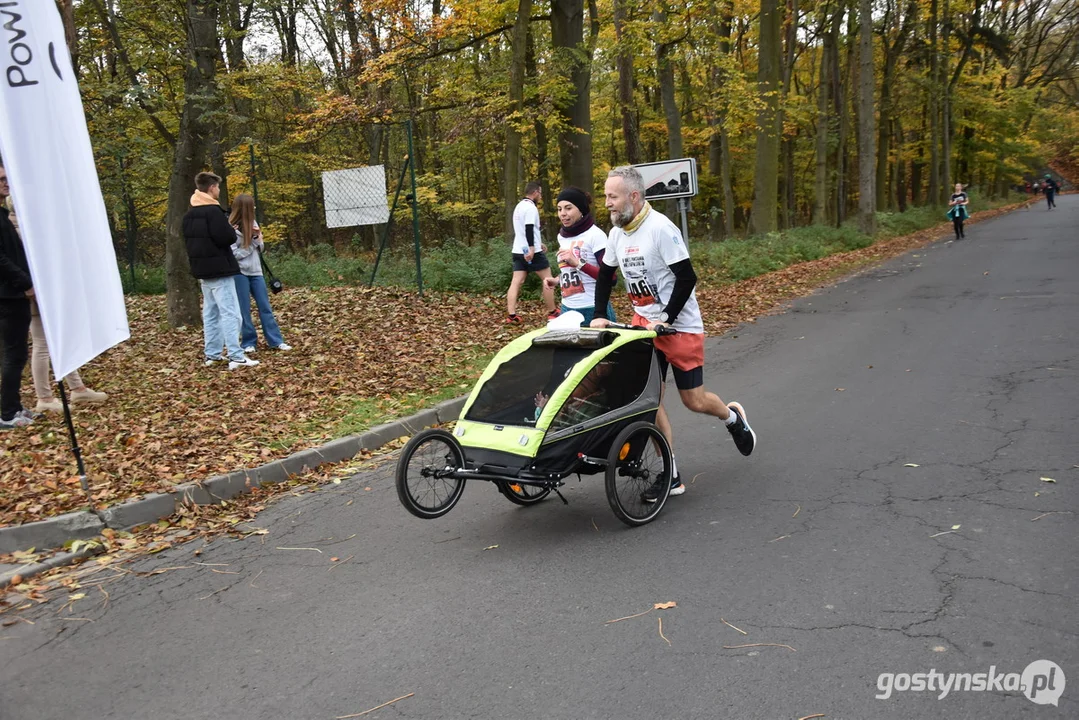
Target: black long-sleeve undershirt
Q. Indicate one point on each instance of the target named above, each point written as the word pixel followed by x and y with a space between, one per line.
pixel 684 282
pixel 604 283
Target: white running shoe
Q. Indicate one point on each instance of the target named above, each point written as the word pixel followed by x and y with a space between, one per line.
pixel 246 362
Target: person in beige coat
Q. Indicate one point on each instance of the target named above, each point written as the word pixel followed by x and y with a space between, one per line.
pixel 40 370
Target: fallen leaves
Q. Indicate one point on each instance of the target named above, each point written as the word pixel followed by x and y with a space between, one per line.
pixel 749 645
pixel 912 465
pixel 1048 480
pixel 194 430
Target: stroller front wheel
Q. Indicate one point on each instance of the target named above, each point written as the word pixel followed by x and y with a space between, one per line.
pixel 639 458
pixel 426 485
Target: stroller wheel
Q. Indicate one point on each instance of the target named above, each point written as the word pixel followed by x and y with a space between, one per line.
pixel 639 458
pixel 425 482
pixel 519 494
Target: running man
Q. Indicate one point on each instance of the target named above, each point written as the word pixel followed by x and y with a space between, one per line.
pixel 660 281
pixel 528 253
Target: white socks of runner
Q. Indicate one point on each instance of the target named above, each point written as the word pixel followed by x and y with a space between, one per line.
pixel 732 418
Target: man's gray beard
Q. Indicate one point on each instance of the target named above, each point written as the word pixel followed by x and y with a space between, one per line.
pixel 621 219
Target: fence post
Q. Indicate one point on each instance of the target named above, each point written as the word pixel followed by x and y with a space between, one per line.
pixel 415 208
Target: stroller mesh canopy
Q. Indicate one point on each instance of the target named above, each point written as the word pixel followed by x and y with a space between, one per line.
pixel 513 394
pixel 615 382
pixel 521 387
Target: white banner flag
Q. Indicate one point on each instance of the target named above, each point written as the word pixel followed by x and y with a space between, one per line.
pixel 50 166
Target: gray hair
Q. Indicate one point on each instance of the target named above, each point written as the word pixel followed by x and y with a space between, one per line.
pixel 631 177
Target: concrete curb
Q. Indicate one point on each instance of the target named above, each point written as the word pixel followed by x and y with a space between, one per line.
pixel 54 532
pixel 50 533
pixel 58 560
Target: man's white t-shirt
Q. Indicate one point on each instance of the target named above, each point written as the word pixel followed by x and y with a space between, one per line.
pixel 579 289
pixel 526 213
pixel 644 256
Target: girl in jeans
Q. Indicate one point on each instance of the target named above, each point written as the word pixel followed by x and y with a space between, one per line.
pixel 250 281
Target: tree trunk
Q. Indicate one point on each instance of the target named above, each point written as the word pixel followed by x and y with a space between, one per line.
pixel 575 144
pixel 946 108
pixel 67 16
pixel 899 179
pixel 766 183
pixel 719 150
pixel 511 184
pixel 820 177
pixel 787 143
pixel 624 61
pixel 840 83
pixel 892 53
pixel 665 76
pixel 934 108
pixel 867 130
pixel 182 295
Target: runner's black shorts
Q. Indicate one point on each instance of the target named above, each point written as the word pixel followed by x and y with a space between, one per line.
pixel 539 262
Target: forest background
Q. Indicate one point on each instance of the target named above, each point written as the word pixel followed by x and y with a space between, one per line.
pixel 809 113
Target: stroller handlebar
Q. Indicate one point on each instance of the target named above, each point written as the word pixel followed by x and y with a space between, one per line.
pixel 663 330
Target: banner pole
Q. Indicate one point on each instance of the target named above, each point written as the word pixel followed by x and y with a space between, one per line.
pixel 75 444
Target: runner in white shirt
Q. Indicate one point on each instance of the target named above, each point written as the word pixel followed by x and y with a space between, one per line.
pixel 526 257
pixel 580 248
pixel 660 281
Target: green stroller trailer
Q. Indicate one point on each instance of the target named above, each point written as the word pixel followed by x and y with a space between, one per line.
pixel 551 404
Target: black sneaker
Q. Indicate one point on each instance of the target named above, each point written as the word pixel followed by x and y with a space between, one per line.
pixel 744 437
pixel 652 494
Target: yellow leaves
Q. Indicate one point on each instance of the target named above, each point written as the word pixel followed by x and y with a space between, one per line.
pixel 664 605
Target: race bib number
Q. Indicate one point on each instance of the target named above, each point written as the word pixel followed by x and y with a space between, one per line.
pixel 571 282
pixel 641 292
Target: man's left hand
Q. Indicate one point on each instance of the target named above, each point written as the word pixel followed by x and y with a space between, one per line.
pixel 656 325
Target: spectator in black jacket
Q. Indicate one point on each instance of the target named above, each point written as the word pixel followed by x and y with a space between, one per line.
pixel 209 239
pixel 16 289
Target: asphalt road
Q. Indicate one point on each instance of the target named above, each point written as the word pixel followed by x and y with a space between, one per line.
pixel 960 359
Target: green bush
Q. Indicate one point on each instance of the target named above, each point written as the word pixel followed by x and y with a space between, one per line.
pixel 481 268
pixel 484 268
pixel 148 280
pixel 743 258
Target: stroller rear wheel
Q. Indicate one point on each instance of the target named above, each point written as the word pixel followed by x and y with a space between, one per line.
pixel 520 494
pixel 639 458
pixel 425 482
